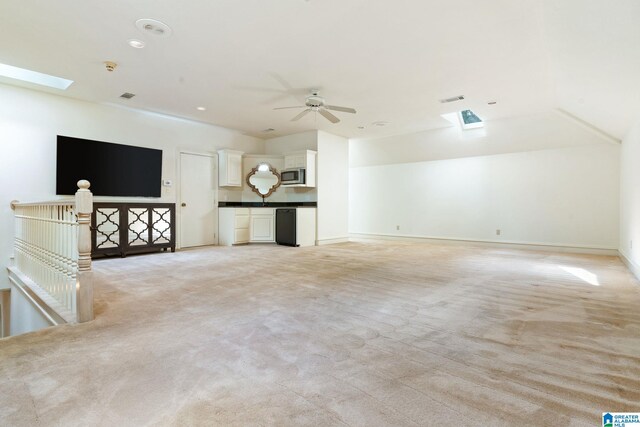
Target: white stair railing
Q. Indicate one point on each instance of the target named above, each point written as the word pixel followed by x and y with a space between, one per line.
pixel 53 256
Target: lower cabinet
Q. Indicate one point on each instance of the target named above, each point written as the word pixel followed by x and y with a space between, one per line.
pixel 233 226
pixel 262 225
pixel 237 226
pixel 241 223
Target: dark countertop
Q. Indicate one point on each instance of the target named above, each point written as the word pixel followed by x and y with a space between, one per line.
pixel 267 204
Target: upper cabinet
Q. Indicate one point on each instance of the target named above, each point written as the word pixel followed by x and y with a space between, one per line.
pixel 230 168
pixel 302 159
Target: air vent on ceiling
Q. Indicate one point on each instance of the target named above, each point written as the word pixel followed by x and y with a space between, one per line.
pixel 453 99
pixel 127 95
pixel 153 27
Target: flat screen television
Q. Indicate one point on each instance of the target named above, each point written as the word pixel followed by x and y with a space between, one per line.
pixel 112 169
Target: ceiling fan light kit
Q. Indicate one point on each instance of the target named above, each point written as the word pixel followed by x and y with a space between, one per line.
pixel 314 102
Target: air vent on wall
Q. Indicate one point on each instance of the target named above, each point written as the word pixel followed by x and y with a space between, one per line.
pixel 127 95
pixel 453 99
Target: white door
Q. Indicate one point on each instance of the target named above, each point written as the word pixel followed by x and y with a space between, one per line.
pixel 198 204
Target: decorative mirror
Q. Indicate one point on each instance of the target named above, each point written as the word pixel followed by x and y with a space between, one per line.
pixel 263 180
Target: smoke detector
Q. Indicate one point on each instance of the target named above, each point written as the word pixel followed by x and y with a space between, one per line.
pixel 153 27
pixel 110 65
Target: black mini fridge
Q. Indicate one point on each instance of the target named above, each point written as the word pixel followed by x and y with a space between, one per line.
pixel 286 227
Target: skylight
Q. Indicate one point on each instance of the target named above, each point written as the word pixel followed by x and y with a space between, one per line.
pixel 469 120
pixel 465 119
pixel 34 77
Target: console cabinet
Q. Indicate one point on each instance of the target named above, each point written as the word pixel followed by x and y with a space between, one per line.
pixel 125 228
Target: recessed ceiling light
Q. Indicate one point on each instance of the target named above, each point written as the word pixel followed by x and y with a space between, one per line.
pixel 138 44
pixel 153 27
pixel 34 77
pixel 201 109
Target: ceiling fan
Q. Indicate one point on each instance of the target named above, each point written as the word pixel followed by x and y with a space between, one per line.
pixel 315 102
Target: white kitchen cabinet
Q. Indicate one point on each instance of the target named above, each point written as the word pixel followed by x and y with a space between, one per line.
pixel 294 161
pixel 305 159
pixel 262 228
pixel 234 226
pixel 237 226
pixel 306 226
pixel 230 168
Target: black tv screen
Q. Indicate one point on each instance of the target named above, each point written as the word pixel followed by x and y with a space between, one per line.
pixel 112 169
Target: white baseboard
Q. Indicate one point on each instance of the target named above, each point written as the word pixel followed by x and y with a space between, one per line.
pixel 633 267
pixel 332 241
pixel 488 243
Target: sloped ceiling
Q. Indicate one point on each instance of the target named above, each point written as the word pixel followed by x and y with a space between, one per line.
pixel 594 52
pixel 392 61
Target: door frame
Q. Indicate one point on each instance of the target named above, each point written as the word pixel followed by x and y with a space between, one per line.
pixel 214 156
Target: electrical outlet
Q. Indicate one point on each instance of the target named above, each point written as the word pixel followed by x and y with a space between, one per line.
pixel 498 232
pixel 397 227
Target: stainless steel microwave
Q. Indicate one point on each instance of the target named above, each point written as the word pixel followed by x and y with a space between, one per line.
pixel 292 176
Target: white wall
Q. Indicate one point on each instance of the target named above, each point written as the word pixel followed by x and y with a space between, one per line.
pixel 630 198
pixel 517 134
pixel 30 121
pixel 333 188
pixel 274 148
pixel 566 196
pixel 282 193
pixel 594 60
pixel 244 194
pixel 298 141
pixel 24 316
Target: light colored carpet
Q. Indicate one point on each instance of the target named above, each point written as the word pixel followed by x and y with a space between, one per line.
pixel 365 334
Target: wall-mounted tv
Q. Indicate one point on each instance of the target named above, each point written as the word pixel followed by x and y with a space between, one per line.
pixel 112 169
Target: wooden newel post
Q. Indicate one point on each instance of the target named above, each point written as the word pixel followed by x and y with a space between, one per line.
pixel 84 278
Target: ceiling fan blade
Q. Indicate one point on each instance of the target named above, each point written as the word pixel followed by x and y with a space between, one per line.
pixel 286 108
pixel 285 84
pixel 327 115
pixel 301 115
pixel 343 109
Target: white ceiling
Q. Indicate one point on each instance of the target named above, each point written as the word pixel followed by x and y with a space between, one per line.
pixel 392 61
